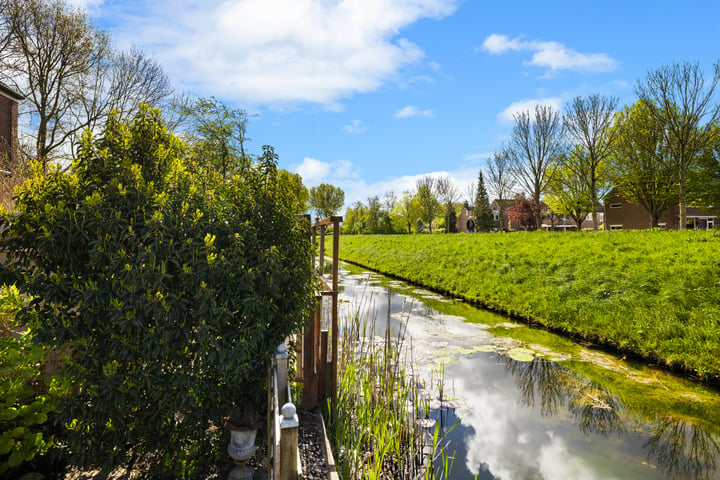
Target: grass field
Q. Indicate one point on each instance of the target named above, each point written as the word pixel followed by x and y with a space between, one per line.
pixel 654 294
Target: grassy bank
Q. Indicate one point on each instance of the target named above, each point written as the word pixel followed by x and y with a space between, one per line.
pixel 649 293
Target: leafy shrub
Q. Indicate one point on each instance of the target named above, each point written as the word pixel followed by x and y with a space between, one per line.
pixel 169 286
pixel 24 402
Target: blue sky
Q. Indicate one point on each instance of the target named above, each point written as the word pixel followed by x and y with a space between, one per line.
pixel 369 95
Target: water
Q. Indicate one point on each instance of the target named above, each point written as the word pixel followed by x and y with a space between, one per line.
pixel 527 404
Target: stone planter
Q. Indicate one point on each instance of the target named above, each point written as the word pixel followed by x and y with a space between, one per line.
pixel 241 449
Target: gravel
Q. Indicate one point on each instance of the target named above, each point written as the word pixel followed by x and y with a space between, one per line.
pixel 310 444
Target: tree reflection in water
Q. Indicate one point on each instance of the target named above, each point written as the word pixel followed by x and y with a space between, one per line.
pixel 683 450
pixel 594 409
pixel 679 448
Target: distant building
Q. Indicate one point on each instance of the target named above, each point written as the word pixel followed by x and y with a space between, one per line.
pixel 621 214
pixel 465 222
pixel 9 100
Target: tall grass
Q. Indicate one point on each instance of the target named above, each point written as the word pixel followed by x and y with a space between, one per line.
pixel 380 430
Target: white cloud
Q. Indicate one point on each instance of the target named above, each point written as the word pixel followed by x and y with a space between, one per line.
pixel 343 174
pixel 553 55
pixel 314 172
pixel 507 115
pixel 355 127
pixel 413 111
pixel 277 52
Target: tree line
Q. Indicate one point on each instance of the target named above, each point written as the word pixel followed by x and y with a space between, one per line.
pixel 661 151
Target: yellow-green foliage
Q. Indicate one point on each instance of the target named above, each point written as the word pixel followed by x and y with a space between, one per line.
pixel 650 293
pixel 25 401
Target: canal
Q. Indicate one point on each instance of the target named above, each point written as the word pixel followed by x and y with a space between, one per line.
pixel 528 404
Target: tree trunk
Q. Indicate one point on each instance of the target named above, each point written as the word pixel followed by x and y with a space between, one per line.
pixel 682 202
pixel 594 200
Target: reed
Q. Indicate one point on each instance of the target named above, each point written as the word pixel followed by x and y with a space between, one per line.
pixel 380 430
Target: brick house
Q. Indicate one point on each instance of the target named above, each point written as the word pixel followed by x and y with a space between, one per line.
pixel 465 222
pixel 9 100
pixel 620 214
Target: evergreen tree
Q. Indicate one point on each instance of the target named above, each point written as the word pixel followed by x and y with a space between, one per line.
pixel 484 219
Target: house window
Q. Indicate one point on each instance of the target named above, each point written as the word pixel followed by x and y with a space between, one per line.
pixel 615 205
pixel 616 227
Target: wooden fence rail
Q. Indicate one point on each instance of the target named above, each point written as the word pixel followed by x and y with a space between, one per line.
pixel 315 370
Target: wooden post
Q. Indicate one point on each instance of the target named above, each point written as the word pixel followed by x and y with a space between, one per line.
pixel 336 249
pixel 322 366
pixel 281 362
pixel 321 255
pixel 309 373
pixel 289 443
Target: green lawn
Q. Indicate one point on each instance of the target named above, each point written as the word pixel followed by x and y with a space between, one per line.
pixel 651 293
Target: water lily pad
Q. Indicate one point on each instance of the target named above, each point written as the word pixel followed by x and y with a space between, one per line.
pixel 521 354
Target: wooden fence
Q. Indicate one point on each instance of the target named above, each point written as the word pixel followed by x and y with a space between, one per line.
pixel 283 421
pixel 318 373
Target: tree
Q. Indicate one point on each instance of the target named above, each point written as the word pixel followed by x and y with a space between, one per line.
pixel 389 201
pixel 69 74
pixel 534 144
pixel 409 210
pixel 501 179
pixel 587 122
pixel 522 212
pixel 568 193
pixel 166 299
pixel 217 136
pixel 425 198
pixel 354 218
pixel 447 192
pixel 297 192
pixel 706 178
pixel 326 200
pixel 677 96
pixel 640 168
pixel 482 212
pixel 373 216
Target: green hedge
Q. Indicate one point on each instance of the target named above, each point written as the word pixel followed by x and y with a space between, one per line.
pixel 168 286
pixel 648 293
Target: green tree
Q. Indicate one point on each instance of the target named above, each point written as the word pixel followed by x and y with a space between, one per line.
pixel 484 217
pixel 706 178
pixel 640 168
pixel 217 136
pixel 427 203
pixel 373 215
pixel 326 200
pixel 679 97
pixel 409 210
pixel 296 191
pixel 568 193
pixel 587 122
pixel 167 299
pixel 354 218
